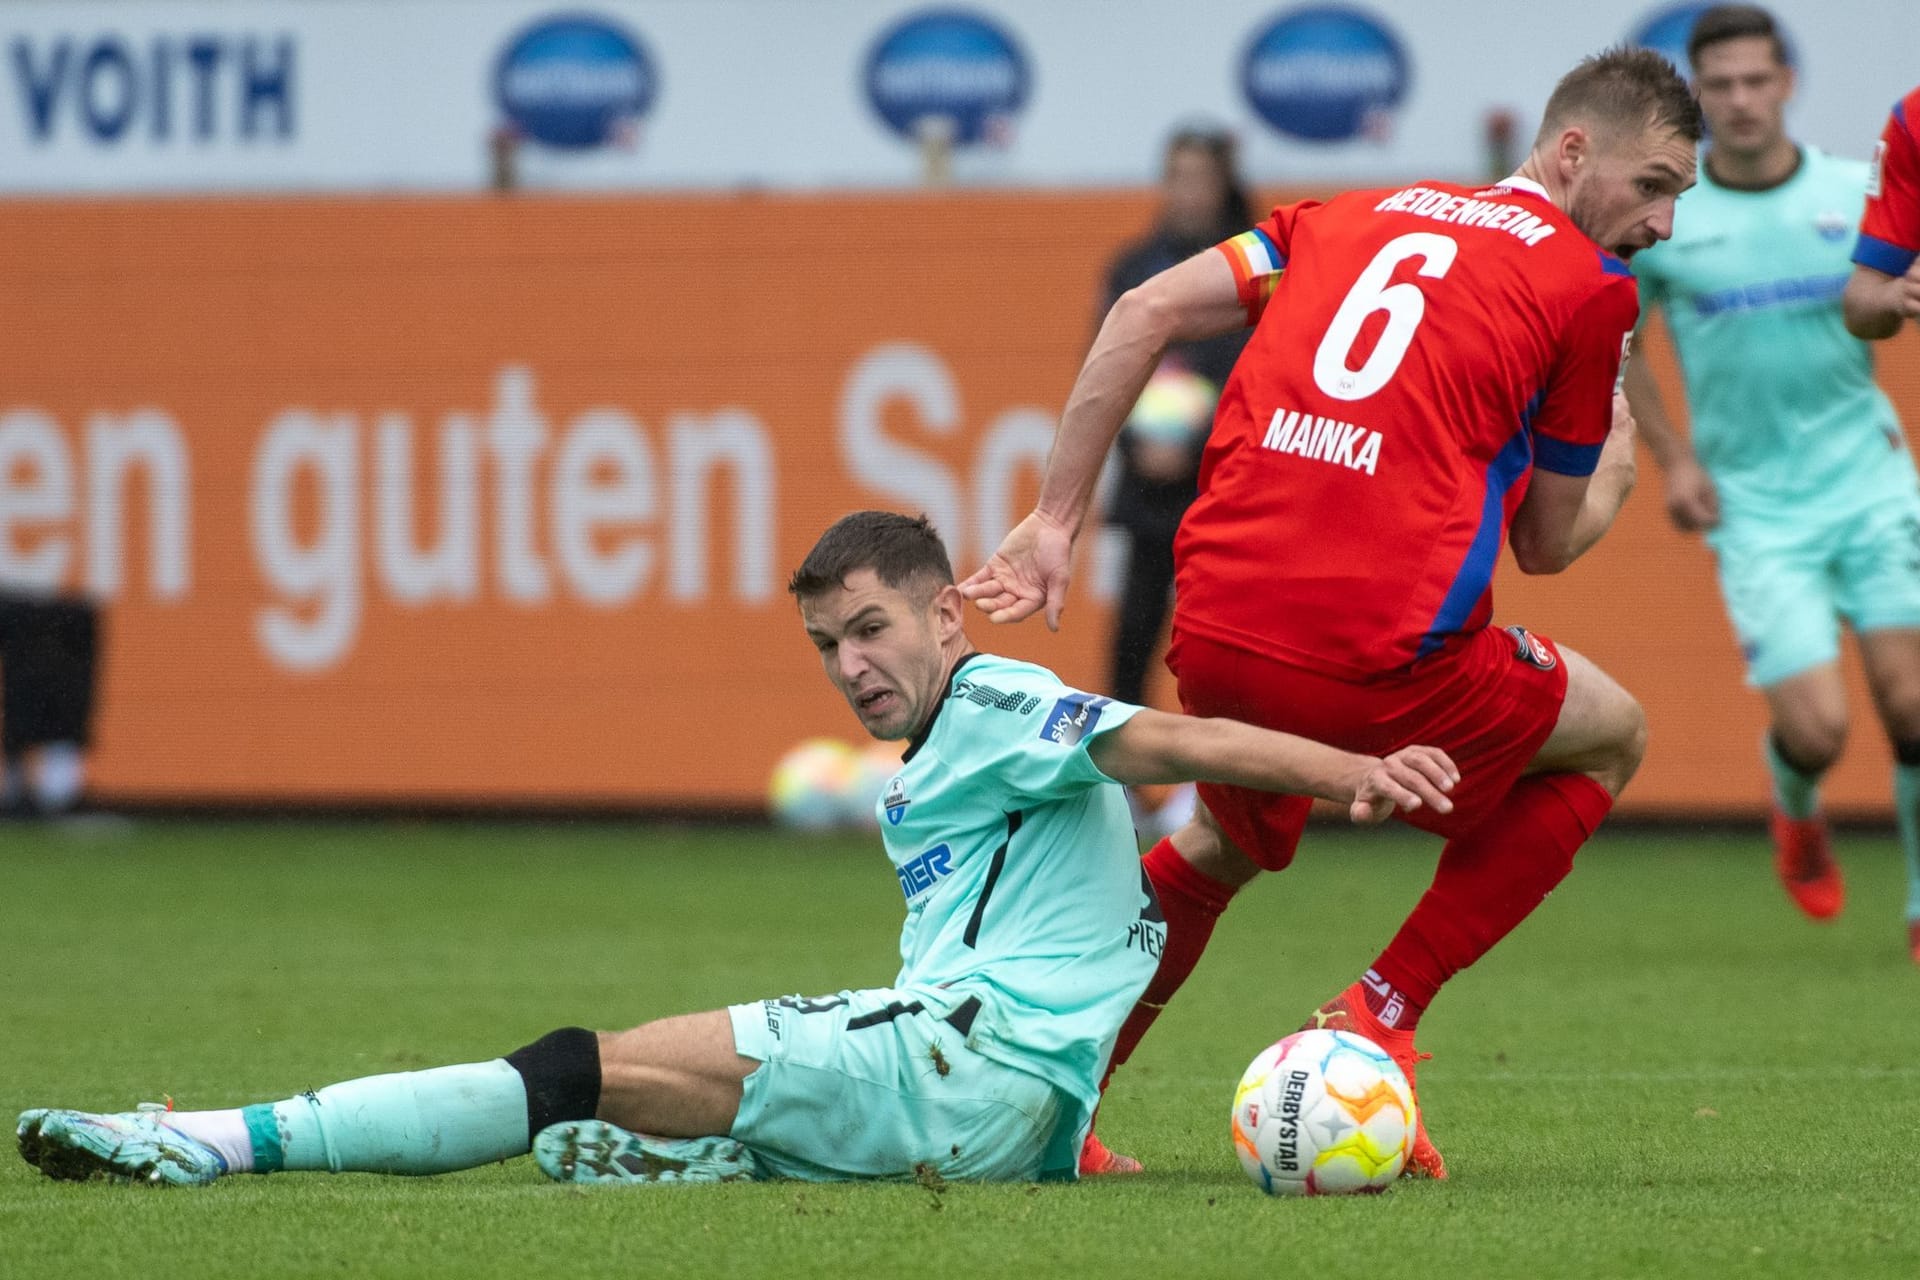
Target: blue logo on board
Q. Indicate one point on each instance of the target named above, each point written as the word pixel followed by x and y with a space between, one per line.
pixel 575 81
pixel 1665 31
pixel 1326 73
pixel 158 88
pixel 948 69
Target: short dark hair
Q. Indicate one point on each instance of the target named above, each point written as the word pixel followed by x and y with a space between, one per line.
pixel 1620 89
pixel 904 552
pixel 1733 22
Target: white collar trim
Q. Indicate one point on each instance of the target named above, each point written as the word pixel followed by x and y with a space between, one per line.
pixel 1519 183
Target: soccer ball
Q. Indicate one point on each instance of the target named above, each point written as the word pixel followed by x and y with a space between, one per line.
pixel 813 784
pixel 1174 406
pixel 1323 1113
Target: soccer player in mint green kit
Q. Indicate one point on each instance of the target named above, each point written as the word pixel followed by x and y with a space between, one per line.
pixel 1797 471
pixel 1030 934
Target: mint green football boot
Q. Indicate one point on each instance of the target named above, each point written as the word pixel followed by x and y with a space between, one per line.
pixel 127 1146
pixel 593 1152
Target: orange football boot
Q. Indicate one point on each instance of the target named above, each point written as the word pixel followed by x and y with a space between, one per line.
pixel 1805 865
pixel 1348 1012
pixel 1096 1161
pixel 1913 939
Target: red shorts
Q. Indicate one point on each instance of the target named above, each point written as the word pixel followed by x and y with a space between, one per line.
pixel 1489 703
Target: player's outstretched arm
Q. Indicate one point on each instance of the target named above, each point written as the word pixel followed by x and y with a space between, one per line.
pixel 1875 304
pixel 1196 299
pixel 1563 516
pixel 1155 747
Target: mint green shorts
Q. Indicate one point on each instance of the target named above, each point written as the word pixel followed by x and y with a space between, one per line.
pixel 1787 584
pixel 882 1084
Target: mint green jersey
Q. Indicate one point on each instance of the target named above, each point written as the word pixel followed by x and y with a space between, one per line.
pixel 1021 872
pixel 1786 418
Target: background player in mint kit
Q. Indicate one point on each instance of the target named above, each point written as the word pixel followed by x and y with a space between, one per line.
pixel 1030 934
pixel 1431 373
pixel 1797 471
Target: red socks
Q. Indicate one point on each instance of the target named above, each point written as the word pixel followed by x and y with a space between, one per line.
pixel 1488 881
pixel 1191 903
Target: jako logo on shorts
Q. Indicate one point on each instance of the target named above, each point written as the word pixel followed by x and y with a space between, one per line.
pixel 1326 73
pixel 949 65
pixel 577 81
pixel 1665 31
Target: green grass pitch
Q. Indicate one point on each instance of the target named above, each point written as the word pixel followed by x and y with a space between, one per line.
pixel 1664 1073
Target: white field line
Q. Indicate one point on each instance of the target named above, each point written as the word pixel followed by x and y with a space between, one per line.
pixel 1718 1075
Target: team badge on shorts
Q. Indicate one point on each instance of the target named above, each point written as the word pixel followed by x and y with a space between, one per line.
pixel 1531 648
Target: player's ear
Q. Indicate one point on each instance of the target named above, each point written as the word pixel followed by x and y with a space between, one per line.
pixel 949 609
pixel 1573 150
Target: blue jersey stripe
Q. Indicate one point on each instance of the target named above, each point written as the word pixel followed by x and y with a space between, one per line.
pixel 1612 265
pixel 1484 553
pixel 1563 458
pixel 1887 259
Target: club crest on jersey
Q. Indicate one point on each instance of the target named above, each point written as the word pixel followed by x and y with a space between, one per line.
pixel 1532 649
pixel 1072 719
pixel 895 800
pixel 1832 226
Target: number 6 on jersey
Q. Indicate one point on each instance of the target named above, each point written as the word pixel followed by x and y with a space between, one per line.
pixel 1403 303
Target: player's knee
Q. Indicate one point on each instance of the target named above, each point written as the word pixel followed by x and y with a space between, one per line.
pixel 1633 746
pixel 1900 713
pixel 1208 850
pixel 1811 743
pixel 1629 743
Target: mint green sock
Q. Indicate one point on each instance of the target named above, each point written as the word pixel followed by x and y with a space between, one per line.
pixel 1906 808
pixel 1797 793
pixel 431 1121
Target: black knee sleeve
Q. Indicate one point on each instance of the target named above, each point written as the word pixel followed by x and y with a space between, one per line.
pixel 1908 752
pixel 562 1074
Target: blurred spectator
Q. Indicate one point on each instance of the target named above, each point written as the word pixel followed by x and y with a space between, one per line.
pixel 1202 202
pixel 47 649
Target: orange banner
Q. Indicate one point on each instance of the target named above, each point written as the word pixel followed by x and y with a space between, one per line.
pixel 493 501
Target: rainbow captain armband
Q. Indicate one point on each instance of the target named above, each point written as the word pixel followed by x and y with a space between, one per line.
pixel 1257 263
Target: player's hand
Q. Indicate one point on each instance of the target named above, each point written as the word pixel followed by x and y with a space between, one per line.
pixel 1692 502
pixel 1405 780
pixel 1617 456
pixel 1029 571
pixel 1907 299
pixel 1622 431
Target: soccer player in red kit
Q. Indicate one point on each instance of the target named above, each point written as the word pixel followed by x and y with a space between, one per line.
pixel 1884 289
pixel 1432 372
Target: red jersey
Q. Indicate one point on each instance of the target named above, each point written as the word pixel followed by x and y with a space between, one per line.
pixel 1890 229
pixel 1416 353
